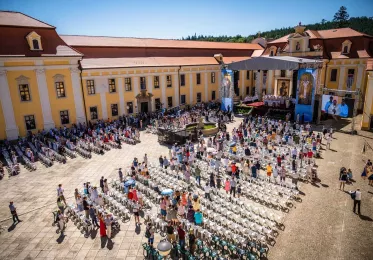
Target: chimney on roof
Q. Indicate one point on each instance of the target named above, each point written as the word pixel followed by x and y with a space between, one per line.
pixel 299 28
pixel 219 58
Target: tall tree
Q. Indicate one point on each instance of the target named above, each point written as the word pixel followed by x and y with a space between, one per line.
pixel 341 17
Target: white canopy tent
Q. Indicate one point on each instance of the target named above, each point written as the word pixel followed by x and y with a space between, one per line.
pixel 275 63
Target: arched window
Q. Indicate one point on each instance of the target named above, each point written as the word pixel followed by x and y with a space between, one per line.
pixel 35 44
pixel 345 49
pixel 271 53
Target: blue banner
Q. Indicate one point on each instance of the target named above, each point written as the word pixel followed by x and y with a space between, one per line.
pixel 226 104
pixel 227 90
pixel 305 98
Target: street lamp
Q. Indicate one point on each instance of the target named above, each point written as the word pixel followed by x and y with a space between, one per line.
pixel 164 248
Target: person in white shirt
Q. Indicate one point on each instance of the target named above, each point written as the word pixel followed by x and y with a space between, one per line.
pixel 60 192
pixel 357 201
pixel 207 191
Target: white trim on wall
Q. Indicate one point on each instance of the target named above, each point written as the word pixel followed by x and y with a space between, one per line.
pixel 46 109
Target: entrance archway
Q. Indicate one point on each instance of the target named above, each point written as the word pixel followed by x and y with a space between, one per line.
pixel 144 101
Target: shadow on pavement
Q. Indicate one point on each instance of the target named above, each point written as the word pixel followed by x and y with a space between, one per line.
pixel 61 238
pixel 366 218
pixel 103 241
pixel 138 229
pixel 12 227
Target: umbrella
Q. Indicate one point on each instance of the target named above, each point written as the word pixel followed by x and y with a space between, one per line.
pixel 167 192
pixel 211 150
pixel 232 144
pixel 129 183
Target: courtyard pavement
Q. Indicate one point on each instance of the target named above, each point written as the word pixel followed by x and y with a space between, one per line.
pixel 322 226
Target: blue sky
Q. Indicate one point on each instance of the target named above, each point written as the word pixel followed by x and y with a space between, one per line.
pixel 177 18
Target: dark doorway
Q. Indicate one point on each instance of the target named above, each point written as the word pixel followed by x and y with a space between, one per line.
pixel 295 83
pixel 144 107
pixel 236 78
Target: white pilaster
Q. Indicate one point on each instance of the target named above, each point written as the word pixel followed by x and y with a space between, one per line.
pixel 11 128
pixel 206 88
pixel 136 91
pixel 358 86
pixel 162 82
pixel 122 109
pixel 101 88
pixel 191 88
pixel 176 87
pixel 341 77
pixel 44 99
pixel 78 98
pixel 149 86
pixel 368 100
pixel 270 80
pixel 218 76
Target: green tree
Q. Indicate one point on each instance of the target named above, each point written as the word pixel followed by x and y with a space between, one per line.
pixel 341 17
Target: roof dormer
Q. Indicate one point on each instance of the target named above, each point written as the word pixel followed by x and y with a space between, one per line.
pixel 346 47
pixel 272 51
pixel 34 41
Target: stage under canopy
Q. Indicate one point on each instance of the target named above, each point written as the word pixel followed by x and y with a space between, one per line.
pixel 275 63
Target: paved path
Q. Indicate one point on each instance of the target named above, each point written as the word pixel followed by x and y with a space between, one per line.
pixel 321 227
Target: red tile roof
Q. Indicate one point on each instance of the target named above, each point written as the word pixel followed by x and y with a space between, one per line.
pixel 103 41
pixel 326 34
pixel 8 18
pixel 146 62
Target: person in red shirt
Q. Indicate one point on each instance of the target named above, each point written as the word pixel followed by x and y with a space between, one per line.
pixel 181 234
pixel 279 160
pixel 234 168
pixel 310 156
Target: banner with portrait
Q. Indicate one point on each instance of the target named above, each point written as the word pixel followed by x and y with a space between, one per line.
pixel 283 87
pixel 305 97
pixel 227 89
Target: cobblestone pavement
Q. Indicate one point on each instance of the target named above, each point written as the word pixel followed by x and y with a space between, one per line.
pixel 321 227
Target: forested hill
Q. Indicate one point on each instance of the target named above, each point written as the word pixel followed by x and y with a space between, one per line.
pixel 361 24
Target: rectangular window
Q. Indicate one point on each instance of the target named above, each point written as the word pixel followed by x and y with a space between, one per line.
pixel 64 115
pixel 112 88
pixel 213 95
pixel 236 75
pixel 169 102
pixel 114 109
pixel 142 83
pixel 156 81
pixel 255 75
pixel 333 75
pixel 182 99
pixel 283 73
pixel 91 87
pixel 182 80
pixel 129 107
pixel 169 81
pixel 212 77
pixel 24 92
pixel 199 97
pixel 247 91
pixel 350 78
pixel 198 78
pixel 157 103
pixel 60 89
pixel 248 74
pixel 30 122
pixel 264 77
pixel 127 84
pixel 93 113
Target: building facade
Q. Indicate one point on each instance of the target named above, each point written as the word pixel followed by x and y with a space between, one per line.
pixel 49 80
pixel 345 54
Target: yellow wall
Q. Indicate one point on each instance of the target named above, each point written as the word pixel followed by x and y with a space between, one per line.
pixel 2 124
pixel 18 63
pixel 58 104
pixel 56 62
pixel 22 109
pixel 112 98
pixel 92 101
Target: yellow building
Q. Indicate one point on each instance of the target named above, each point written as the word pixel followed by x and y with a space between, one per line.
pixel 344 53
pixel 48 80
pixel 39 77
